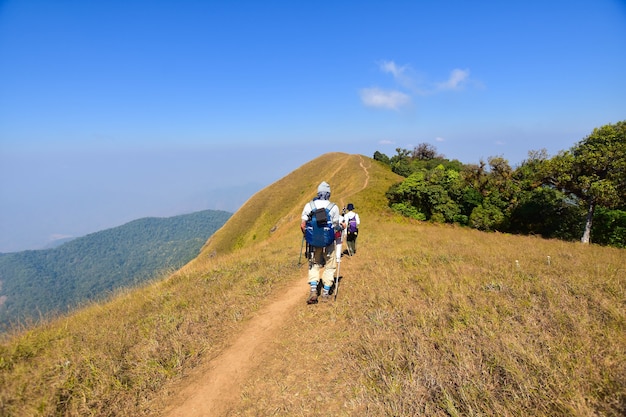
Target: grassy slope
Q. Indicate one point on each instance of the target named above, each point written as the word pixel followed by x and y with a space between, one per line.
pixel 430 320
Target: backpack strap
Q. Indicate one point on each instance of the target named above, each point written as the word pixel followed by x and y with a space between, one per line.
pixel 313 208
pixel 329 208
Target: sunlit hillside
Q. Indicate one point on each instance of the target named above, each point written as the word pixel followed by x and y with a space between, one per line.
pixel 429 320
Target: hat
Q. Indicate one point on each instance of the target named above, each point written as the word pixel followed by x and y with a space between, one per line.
pixel 323 188
pixel 350 206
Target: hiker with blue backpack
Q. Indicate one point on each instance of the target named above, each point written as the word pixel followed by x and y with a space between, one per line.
pixel 321 224
pixel 353 221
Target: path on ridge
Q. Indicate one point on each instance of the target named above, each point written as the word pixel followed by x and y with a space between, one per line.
pixel 214 388
pixel 214 391
pixel 367 174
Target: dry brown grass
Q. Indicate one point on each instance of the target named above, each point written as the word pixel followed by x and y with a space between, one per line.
pixel 430 320
pixel 441 321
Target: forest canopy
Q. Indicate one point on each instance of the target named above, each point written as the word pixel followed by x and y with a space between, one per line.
pixel 580 193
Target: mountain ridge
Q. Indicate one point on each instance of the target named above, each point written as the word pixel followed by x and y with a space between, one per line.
pixel 431 320
pixel 85 269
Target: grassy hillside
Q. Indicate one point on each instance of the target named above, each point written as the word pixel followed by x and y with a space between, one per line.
pixel 41 282
pixel 430 320
pixel 274 210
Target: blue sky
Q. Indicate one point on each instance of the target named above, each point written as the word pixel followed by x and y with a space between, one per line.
pixel 116 110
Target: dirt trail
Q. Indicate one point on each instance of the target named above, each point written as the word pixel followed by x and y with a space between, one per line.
pixel 216 387
pixel 213 392
pixel 367 174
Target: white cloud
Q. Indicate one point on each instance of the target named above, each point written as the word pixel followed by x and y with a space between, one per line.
pixel 403 75
pixel 388 99
pixel 439 139
pixel 457 80
pixel 391 67
pixel 410 85
pixel 386 142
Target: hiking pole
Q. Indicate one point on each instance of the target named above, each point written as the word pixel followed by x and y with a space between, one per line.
pixel 338 247
pixel 301 246
pixel 345 233
pixel 337 278
pixel 348 245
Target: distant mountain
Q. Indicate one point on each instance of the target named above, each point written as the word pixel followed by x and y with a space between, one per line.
pixel 37 283
pixel 58 242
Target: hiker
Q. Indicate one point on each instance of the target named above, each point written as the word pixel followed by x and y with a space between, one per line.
pixel 321 225
pixel 353 221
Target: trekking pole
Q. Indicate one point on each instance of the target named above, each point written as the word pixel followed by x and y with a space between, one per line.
pixel 301 246
pixel 338 246
pixel 337 278
pixel 344 237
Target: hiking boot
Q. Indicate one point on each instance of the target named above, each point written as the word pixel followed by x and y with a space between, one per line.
pixel 325 298
pixel 312 298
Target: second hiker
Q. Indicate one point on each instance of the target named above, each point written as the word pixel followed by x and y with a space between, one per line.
pixel 321 222
pixel 353 221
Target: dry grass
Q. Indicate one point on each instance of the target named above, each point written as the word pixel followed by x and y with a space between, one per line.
pixel 441 321
pixel 461 327
pixel 430 320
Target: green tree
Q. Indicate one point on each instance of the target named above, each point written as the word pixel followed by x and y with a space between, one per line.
pixel 609 227
pixel 594 171
pixel 381 157
pixel 486 217
pixel 431 194
pixel 401 162
pixel 546 211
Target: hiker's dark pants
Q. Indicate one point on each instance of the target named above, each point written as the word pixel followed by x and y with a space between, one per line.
pixel 351 241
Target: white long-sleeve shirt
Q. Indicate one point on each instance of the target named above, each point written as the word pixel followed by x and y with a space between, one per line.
pixel 351 214
pixel 335 216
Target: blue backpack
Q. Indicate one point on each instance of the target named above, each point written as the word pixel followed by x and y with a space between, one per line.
pixel 319 230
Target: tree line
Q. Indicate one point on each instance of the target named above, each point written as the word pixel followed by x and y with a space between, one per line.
pixel 578 194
